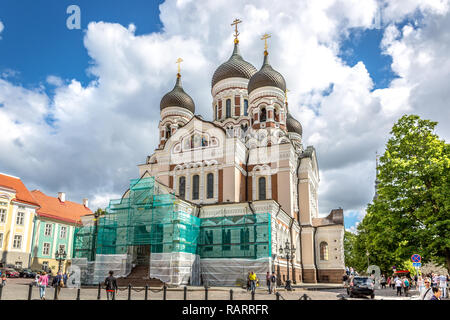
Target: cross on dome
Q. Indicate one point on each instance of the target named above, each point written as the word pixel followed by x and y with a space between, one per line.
pixel 179 61
pixel 236 33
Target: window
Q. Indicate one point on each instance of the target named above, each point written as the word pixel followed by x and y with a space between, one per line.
pixel 195 187
pixel 245 239
pixel 46 249
pixel 226 240
pixel 63 232
pixel 324 251
pixel 20 216
pixel 228 115
pixel 48 230
pixel 2 215
pixel 263 115
pixel 216 112
pixel 168 132
pixel 17 244
pixel 208 240
pixel 245 107
pixel 262 188
pixel 277 115
pixel 182 187
pixel 210 186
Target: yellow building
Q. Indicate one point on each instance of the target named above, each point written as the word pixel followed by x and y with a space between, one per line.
pixel 17 213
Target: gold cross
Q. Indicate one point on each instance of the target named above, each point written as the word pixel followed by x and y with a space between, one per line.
pixel 265 37
pixel 179 61
pixel 236 33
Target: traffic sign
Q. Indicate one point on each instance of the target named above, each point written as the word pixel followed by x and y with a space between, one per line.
pixel 416 258
pixel 417 264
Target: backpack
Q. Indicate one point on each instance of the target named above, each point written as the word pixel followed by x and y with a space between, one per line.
pixel 406 283
pixel 273 278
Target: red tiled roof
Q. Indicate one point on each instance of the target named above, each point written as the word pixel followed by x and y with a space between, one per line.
pixel 52 207
pixel 23 195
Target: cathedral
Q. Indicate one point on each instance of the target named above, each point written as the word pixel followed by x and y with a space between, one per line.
pixel 244 190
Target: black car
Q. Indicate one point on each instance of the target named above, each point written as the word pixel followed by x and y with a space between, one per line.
pixel 27 273
pixel 361 286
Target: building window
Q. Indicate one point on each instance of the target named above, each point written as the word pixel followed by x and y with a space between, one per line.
pixel 182 187
pixel 46 249
pixel 210 185
pixel 245 107
pixel 324 251
pixel 17 244
pixel 263 115
pixel 208 240
pixel 262 188
pixel 195 187
pixel 245 239
pixel 2 215
pixel 226 240
pixel 20 216
pixel 228 115
pixel 48 230
pixel 277 115
pixel 63 232
pixel 168 132
pixel 216 112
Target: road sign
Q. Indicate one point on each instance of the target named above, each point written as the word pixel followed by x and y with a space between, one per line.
pixel 416 258
pixel 417 264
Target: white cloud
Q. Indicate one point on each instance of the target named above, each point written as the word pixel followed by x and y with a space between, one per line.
pixel 99 132
pixel 2 27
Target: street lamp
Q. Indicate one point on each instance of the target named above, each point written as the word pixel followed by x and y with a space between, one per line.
pixel 60 256
pixel 289 252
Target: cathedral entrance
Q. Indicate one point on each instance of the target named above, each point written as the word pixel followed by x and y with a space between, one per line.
pixel 142 255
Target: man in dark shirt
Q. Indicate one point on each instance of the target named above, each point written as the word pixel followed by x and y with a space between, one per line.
pixel 111 286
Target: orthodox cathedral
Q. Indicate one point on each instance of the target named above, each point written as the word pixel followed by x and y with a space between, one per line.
pixel 244 179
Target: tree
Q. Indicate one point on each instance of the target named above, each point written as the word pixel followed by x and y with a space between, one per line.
pixel 411 213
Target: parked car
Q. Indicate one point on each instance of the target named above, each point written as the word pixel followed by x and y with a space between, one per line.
pixel 10 273
pixel 27 273
pixel 361 286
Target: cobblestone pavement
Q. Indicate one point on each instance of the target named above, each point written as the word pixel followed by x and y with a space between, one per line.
pixel 17 289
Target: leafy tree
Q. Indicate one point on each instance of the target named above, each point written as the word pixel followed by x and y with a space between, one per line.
pixel 411 213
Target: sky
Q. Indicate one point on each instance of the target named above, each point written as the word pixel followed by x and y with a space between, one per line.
pixel 79 108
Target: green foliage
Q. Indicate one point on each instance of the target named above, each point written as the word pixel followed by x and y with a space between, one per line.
pixel 412 211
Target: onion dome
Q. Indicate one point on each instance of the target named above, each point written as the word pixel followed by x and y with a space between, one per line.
pixel 177 98
pixel 293 125
pixel 235 67
pixel 266 77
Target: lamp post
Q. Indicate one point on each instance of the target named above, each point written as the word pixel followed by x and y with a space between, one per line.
pixel 60 256
pixel 289 252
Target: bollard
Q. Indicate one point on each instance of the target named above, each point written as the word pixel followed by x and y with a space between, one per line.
pixel 55 297
pixel 30 291
pixel 253 295
pixel 99 291
pixel 231 294
pixel 206 293
pixel 164 292
pixel 278 295
pixel 78 293
pixel 129 291
pixel 146 292
pixel 1 291
pixel 185 293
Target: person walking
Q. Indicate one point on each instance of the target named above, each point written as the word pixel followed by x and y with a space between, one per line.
pixel 406 285
pixel 58 282
pixel 383 282
pixel 436 294
pixel 273 280
pixel 427 292
pixel 248 281
pixel 36 279
pixel 420 284
pixel 43 283
pixel 3 279
pixel 345 280
pixel 268 282
pixel 111 286
pixel 398 285
pixel 443 285
pixel 252 281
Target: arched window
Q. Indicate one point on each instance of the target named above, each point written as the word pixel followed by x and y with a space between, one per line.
pixel 245 239
pixel 216 112
pixel 262 188
pixel 245 107
pixel 182 187
pixel 228 114
pixel 324 251
pixel 210 186
pixel 168 132
pixel 277 115
pixel 263 115
pixel 195 187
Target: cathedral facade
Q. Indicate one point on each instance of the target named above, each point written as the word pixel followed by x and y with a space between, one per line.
pixel 250 159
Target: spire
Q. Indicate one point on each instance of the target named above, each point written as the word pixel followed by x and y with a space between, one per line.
pixel 265 37
pixel 236 33
pixel 179 61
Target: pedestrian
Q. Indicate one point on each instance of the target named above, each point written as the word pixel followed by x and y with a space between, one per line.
pixel 252 281
pixel 248 281
pixel 3 279
pixel 443 285
pixel 268 282
pixel 273 280
pixel 398 285
pixel 58 282
pixel 111 286
pixel 347 271
pixel 383 282
pixel 65 277
pixel 420 284
pixel 42 282
pixel 345 279
pixel 435 280
pixel 436 294
pixel 36 279
pixel 427 292
pixel 406 284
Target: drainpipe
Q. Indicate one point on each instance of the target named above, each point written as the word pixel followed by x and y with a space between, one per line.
pixel 315 258
pixel 299 223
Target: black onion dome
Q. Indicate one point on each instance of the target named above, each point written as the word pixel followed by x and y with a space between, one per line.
pixel 177 98
pixel 266 77
pixel 235 67
pixel 293 125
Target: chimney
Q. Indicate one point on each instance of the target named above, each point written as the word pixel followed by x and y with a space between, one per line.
pixel 62 196
pixel 86 202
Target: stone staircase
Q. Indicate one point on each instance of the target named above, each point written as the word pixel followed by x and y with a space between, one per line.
pixel 139 277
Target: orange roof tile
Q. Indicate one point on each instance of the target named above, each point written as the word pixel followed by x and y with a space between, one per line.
pixel 52 207
pixel 23 195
